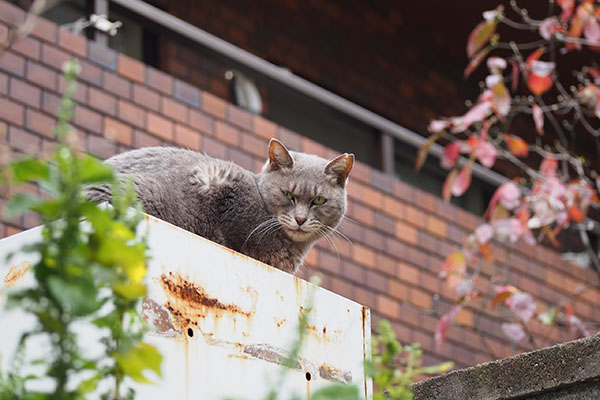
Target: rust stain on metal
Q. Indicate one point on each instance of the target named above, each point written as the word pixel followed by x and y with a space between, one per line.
pixel 15 273
pixel 332 373
pixel 363 318
pixel 184 290
pixel 272 354
pixel 158 316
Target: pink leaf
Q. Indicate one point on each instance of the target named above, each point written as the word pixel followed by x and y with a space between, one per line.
pixel 463 180
pixel 448 184
pixel 576 327
pixel 514 332
pixel 438 125
pixel 508 194
pixel 475 114
pixel 482 33
pixel 538 118
pixel 496 64
pixel 592 30
pixel 454 269
pixel 450 155
pixel 508 229
pixel 499 94
pixel 484 233
pixel 567 9
pixel 549 27
pixel 548 167
pixel 515 76
pixel 444 323
pixel 523 305
pixel 486 153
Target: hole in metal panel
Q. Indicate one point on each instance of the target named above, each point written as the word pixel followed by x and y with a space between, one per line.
pixel 308 376
pixel 190 332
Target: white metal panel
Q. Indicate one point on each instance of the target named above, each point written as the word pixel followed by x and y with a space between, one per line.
pixel 224 322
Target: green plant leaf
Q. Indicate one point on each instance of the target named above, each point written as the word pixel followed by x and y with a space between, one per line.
pixel 88 385
pixel 30 169
pixel 93 170
pixel 138 359
pixel 78 297
pixel 336 392
pixel 19 203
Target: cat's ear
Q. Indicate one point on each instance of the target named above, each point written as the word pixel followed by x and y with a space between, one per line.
pixel 340 167
pixel 279 156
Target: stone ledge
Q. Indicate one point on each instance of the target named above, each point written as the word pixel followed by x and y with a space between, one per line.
pixel 565 371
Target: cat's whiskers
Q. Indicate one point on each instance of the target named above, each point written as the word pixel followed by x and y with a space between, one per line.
pixel 265 225
pixel 330 241
pixel 273 227
pixel 336 231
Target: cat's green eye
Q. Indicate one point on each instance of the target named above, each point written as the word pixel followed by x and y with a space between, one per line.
pixel 288 195
pixel 317 201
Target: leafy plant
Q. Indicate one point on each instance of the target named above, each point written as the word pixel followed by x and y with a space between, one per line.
pixel 395 368
pixel 90 272
pixel 554 188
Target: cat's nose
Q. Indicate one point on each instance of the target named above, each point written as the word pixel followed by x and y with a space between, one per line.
pixel 300 221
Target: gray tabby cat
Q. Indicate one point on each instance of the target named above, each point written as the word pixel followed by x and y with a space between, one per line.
pixel 274 216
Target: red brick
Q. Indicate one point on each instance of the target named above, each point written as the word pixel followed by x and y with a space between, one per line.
pixel 330 263
pixel 146 97
pixel 130 68
pixel 118 131
pixel 264 128
pixel 27 47
pixel 254 145
pixel 24 141
pixel 214 148
pixel 38 122
pixel 213 105
pixel 117 85
pixel 159 80
pixel 12 63
pixel 45 30
pixel 392 206
pixel 376 281
pixel 188 138
pixel 90 73
pixel 11 230
pixel 25 93
pixel 342 288
pixel 88 119
pixel 241 158
pixel 227 133
pixel 71 42
pixel 239 117
pixel 3 83
pixel 50 103
pixel 406 233
pixel 372 197
pixel 388 307
pixel 311 257
pixel 398 290
pixel 202 122
pixel 160 126
pixel 11 112
pixel 385 264
pixel 101 147
pixel 420 299
pixel 54 57
pixel 10 13
pixel 130 113
pixel 174 109
pixel 41 75
pixel 361 172
pixel 142 139
pixel 101 101
pixel 408 273
pixel 365 297
pixel 414 216
pixel 311 147
pixel 290 139
pixel 3 34
pixel 363 255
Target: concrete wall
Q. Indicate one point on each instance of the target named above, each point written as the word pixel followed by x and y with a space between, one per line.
pixel 400 234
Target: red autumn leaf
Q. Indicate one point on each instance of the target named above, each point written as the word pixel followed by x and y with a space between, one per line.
pixel 548 167
pixel 454 269
pixel 502 294
pixel 450 154
pixel 539 75
pixel 424 150
pixel 509 196
pixel 516 145
pixel 594 72
pixel 475 61
pixel 482 33
pixel 575 214
pixel 538 118
pixel 581 18
pixel 486 252
pixel 463 180
pixel 567 9
pixel 500 98
pixel 444 323
pixel 486 153
pixel 448 184
pixel 514 332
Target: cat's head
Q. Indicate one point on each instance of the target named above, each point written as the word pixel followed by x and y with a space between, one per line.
pixel 306 193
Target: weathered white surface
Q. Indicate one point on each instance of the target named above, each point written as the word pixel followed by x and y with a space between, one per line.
pixel 230 321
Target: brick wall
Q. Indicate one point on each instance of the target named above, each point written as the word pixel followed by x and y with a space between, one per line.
pixel 400 234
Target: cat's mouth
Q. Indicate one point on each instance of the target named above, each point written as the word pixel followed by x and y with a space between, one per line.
pixel 297 233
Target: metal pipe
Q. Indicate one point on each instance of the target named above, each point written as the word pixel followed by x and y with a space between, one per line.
pixel 290 80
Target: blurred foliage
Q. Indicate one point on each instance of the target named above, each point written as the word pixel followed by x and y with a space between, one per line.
pixel 394 368
pixel 90 274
